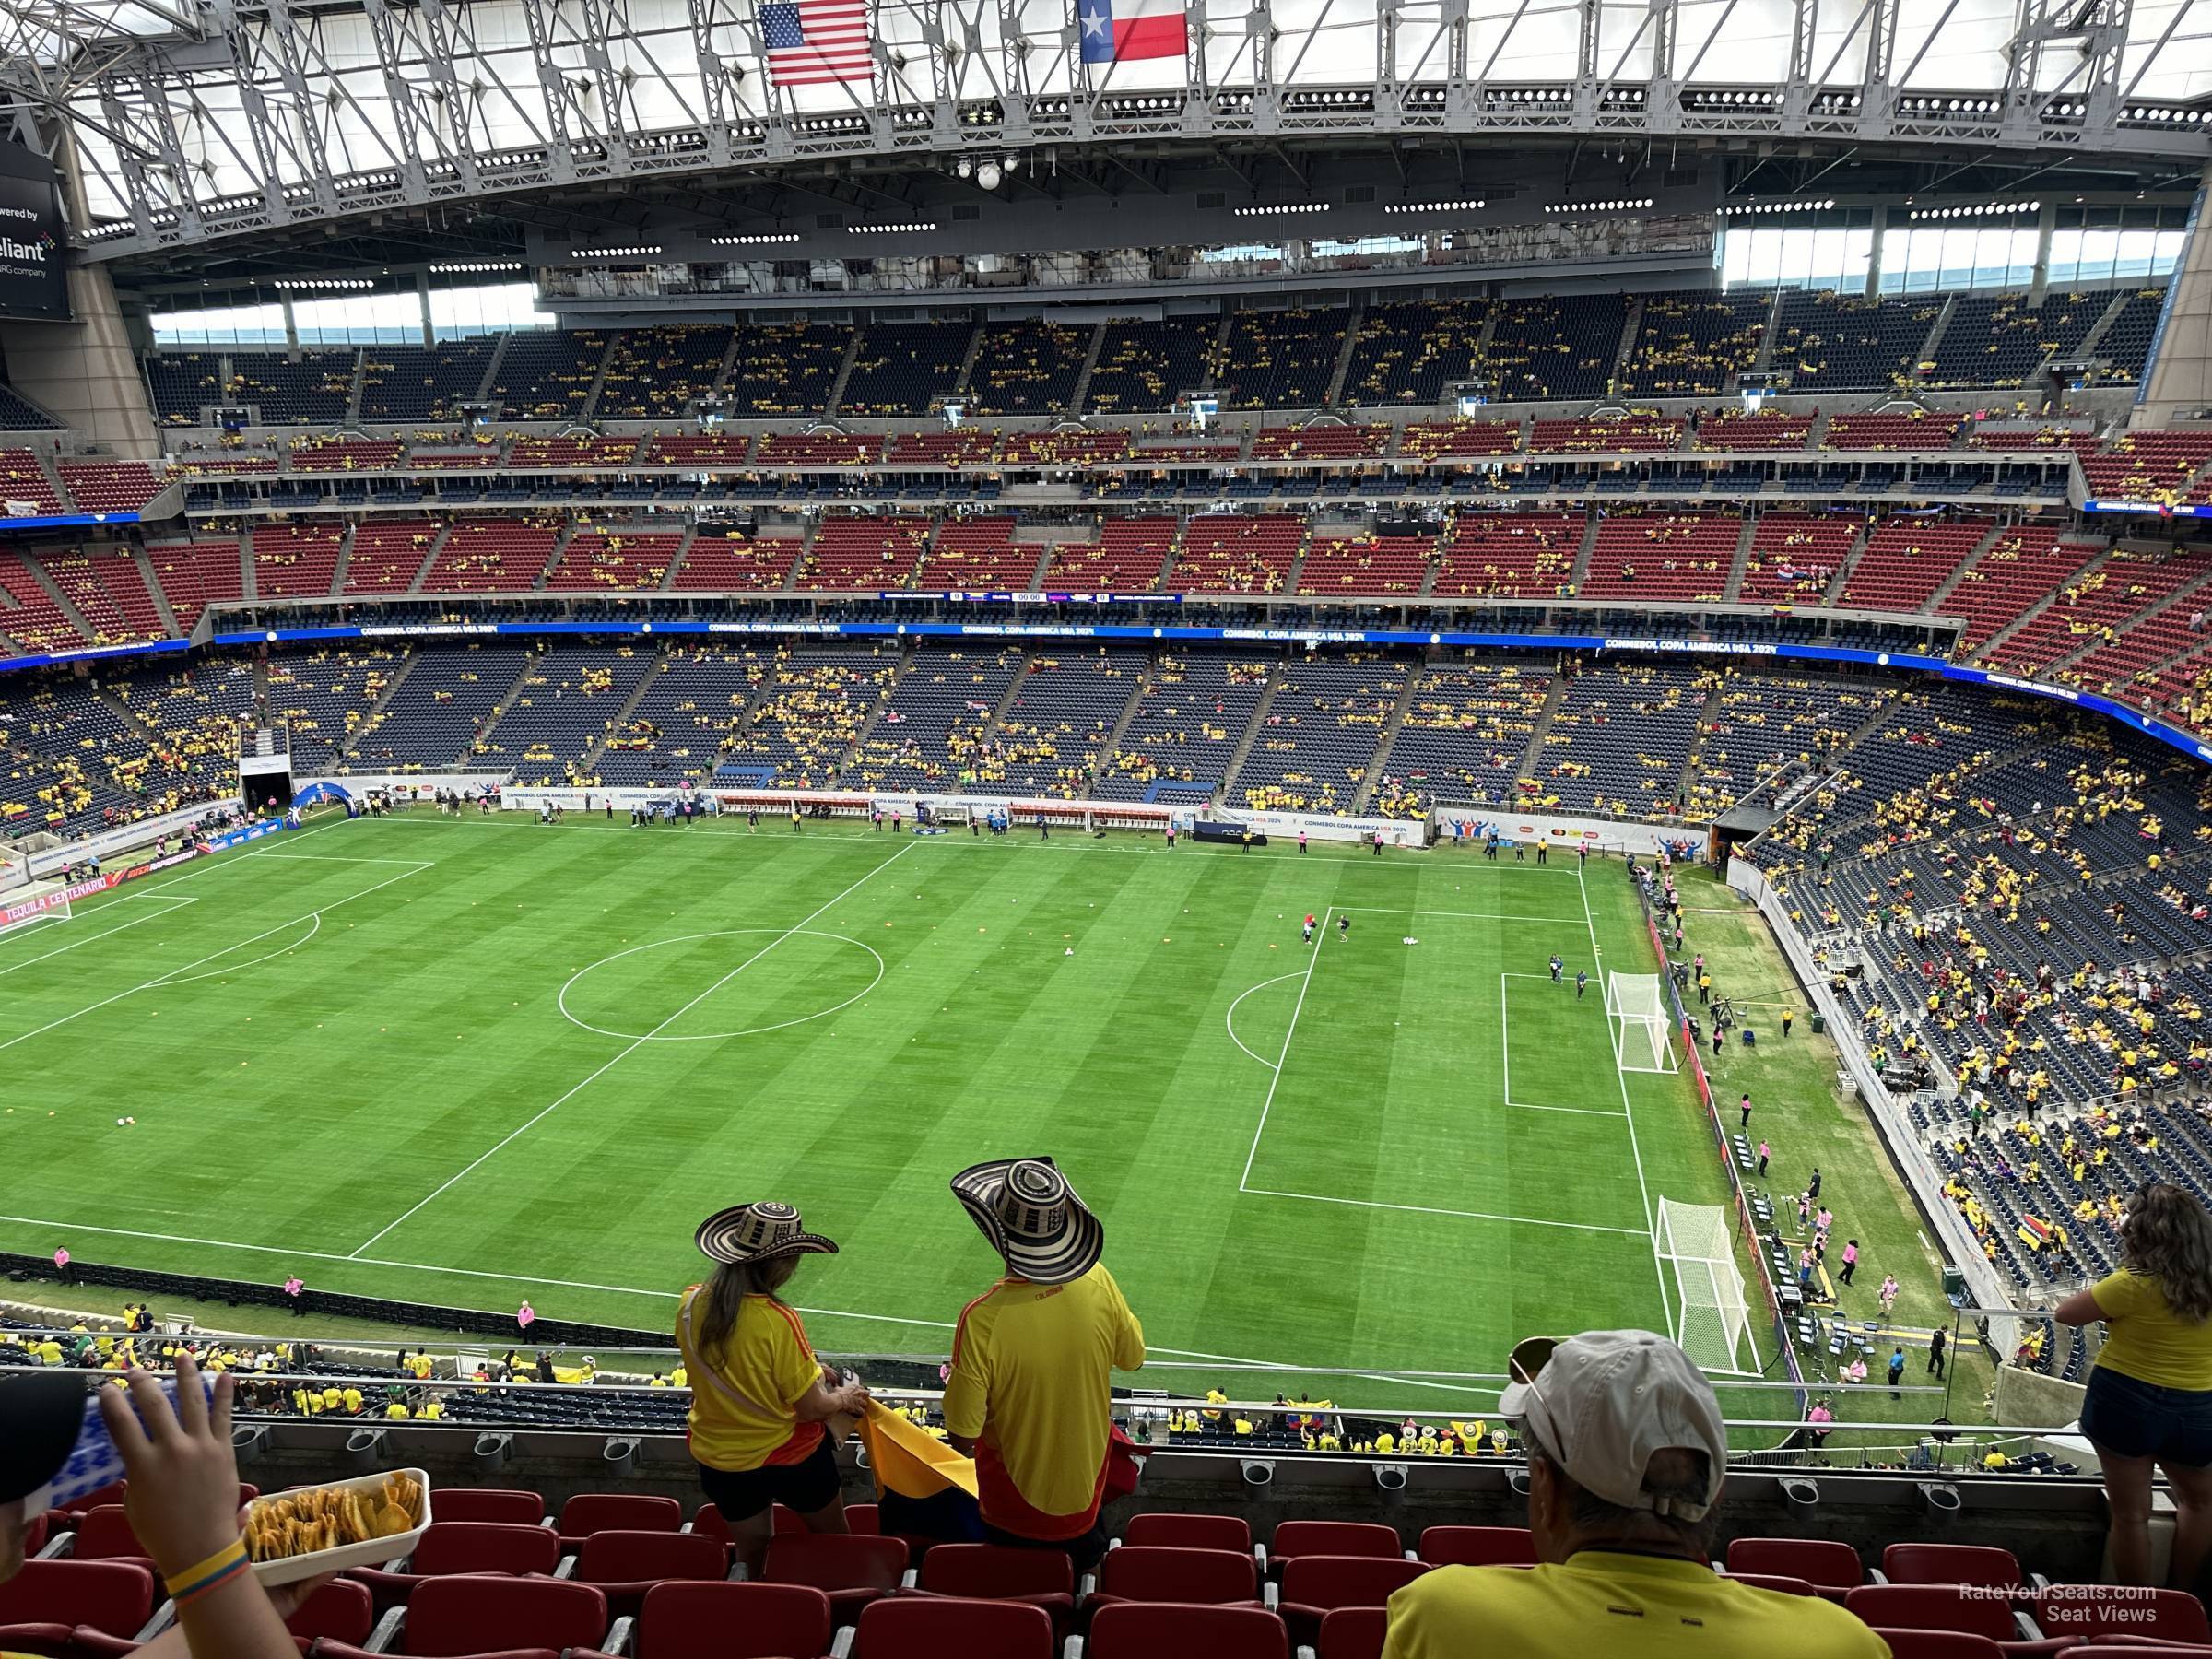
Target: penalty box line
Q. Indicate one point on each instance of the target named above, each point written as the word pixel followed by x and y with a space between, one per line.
pixel 1505 1052
pixel 171 977
pixel 621 1055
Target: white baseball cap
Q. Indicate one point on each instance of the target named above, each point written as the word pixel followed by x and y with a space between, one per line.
pixel 1602 1404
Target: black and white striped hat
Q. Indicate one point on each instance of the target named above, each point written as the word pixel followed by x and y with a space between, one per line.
pixel 753 1232
pixel 1032 1217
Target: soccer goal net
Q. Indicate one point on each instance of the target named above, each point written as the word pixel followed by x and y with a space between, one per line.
pixel 33 903
pixel 1643 1030
pixel 1713 1322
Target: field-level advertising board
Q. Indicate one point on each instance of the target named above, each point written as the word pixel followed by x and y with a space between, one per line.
pixel 33 905
pixel 1713 1320
pixel 1643 1029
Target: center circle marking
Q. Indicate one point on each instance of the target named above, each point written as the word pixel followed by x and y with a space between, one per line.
pixel 727 933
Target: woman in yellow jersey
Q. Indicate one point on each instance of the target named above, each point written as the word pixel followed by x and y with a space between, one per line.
pixel 759 1396
pixel 2149 1400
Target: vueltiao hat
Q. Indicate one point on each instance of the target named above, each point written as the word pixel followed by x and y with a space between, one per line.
pixel 1032 1217
pixel 754 1232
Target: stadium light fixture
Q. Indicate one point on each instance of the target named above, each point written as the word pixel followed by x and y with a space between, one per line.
pixel 990 175
pixel 912 228
pixel 1282 209
pixel 474 267
pixel 763 238
pixel 1467 207
pixel 641 251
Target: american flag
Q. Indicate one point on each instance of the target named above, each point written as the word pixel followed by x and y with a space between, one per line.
pixel 814 42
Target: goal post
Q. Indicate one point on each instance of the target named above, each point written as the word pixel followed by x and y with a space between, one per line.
pixel 1643 1029
pixel 32 904
pixel 1713 1320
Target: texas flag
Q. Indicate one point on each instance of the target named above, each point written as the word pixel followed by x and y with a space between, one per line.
pixel 1116 31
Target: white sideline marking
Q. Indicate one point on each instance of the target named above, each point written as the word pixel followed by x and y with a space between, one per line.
pixel 1267 1105
pixel 339 858
pixel 1505 1053
pixel 594 1076
pixel 1399 909
pixel 176 903
pixel 1618 1034
pixel 1229 1018
pixel 1424 1209
pixel 171 977
pixel 518 1278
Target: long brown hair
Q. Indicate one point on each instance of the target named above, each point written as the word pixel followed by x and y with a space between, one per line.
pixel 2168 1237
pixel 726 1293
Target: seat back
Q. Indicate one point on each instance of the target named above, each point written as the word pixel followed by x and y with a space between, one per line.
pixel 1327 1581
pixel 1353 1634
pixel 489 1503
pixel 992 1571
pixel 1983 1564
pixel 447 1618
pixel 449 1547
pixel 341 1610
pixel 115 1598
pixel 1932 1607
pixel 588 1512
pixel 733 1621
pixel 1190 1532
pixel 1150 1572
pixel 106 1532
pixel 1779 1582
pixel 1478 1546
pixel 2092 1610
pixel 1294 1539
pixel 1825 1564
pixel 1943 1644
pixel 835 1561
pixel 1170 1630
pixel 950 1628
pixel 629 1558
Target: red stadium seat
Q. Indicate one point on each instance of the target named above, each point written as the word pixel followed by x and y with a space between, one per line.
pixel 1150 1572
pixel 626 1564
pixel 2093 1611
pixel 1821 1562
pixel 853 1570
pixel 487 1503
pixel 1295 1538
pixel 342 1610
pixel 1933 1607
pixel 1478 1546
pixel 1939 1644
pixel 1172 1631
pixel 469 1617
pixel 1353 1634
pixel 105 1535
pixel 1980 1564
pixel 588 1512
pixel 1314 1587
pixel 447 1548
pixel 949 1628
pixel 1779 1582
pixel 732 1621
pixel 1043 1578
pixel 42 1605
pixel 1190 1532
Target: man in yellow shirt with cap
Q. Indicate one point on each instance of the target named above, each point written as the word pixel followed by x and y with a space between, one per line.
pixel 1627 1454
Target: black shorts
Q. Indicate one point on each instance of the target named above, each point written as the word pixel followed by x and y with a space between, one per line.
pixel 2136 1419
pixel 805 1486
pixel 1085 1550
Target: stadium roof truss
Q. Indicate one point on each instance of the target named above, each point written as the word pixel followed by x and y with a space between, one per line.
pixel 191 122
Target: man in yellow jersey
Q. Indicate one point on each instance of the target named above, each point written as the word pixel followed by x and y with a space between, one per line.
pixel 1032 1359
pixel 1626 1455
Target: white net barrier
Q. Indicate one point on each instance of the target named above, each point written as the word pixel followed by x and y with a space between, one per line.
pixel 34 904
pixel 1713 1319
pixel 1642 1028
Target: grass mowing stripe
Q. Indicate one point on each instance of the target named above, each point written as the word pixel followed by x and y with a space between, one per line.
pixel 635 1044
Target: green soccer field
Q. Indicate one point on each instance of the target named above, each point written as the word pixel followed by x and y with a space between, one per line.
pixel 467 1062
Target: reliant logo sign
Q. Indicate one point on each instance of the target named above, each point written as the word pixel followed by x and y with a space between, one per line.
pixel 34 277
